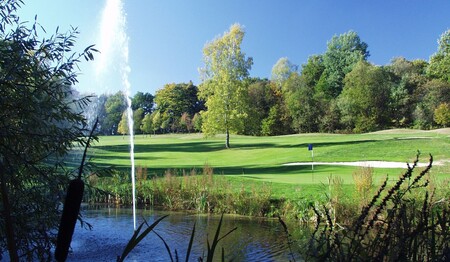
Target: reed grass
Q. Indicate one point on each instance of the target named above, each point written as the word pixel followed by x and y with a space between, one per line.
pixel 201 191
pixel 140 233
pixel 403 223
pixel 363 180
pixel 206 192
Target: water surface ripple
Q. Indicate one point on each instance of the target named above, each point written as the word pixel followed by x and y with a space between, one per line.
pixel 254 240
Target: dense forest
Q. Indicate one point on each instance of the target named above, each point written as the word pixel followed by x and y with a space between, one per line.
pixel 337 91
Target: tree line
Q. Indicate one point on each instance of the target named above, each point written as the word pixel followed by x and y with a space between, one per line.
pixel 337 91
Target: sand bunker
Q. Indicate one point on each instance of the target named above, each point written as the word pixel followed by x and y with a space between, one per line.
pixel 378 164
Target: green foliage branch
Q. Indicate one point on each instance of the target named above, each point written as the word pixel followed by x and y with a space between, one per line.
pixel 40 121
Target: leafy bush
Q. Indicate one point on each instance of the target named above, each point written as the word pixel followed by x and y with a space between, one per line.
pixel 41 120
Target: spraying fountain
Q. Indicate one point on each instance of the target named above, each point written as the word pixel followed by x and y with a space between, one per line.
pixel 113 45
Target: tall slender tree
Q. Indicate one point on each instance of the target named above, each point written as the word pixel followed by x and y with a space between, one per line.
pixel 147 124
pixel 223 87
pixel 122 127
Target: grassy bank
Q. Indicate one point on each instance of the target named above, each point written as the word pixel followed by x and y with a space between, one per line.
pixel 253 170
pixel 262 158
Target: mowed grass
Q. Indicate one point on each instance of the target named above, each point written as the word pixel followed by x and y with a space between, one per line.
pixel 260 159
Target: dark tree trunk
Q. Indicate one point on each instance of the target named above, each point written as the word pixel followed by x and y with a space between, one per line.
pixel 9 226
pixel 227 142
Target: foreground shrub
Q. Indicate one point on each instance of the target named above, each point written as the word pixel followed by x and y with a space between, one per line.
pixel 41 121
pixel 404 223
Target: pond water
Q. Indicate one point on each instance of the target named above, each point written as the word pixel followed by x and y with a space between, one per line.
pixel 255 239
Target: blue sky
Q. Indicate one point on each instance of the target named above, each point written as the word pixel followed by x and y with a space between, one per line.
pixel 166 37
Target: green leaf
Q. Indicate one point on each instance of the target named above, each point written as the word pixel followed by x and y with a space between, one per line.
pixel 137 238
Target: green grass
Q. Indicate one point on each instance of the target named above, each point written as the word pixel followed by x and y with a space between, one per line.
pixel 261 159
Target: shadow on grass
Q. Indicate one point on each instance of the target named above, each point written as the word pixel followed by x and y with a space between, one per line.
pixel 261 170
pixel 214 146
pixel 190 147
pixel 325 144
pixel 115 155
pixel 252 172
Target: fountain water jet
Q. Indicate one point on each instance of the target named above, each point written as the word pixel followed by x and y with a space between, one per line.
pixel 113 45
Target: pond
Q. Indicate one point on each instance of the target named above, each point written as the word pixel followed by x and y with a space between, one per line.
pixel 255 239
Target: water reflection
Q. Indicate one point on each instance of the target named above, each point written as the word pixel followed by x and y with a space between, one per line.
pixel 254 240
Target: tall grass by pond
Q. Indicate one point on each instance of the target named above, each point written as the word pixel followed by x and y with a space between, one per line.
pixel 406 221
pixel 203 191
pixel 200 191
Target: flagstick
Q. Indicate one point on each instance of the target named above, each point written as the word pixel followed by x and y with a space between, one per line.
pixel 312 164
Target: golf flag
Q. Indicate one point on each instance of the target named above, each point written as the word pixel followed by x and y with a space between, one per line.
pixel 310 147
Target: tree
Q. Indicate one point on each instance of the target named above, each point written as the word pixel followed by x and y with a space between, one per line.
pixel 406 76
pixel 262 94
pixel 301 104
pixel 144 101
pixel 276 123
pixel 147 124
pixel 440 62
pixel 138 116
pixel 365 98
pixel 122 127
pixel 442 114
pixel 115 106
pixel 40 121
pixel 97 108
pixel 313 70
pixel 197 122
pixel 281 71
pixel 320 111
pixel 177 99
pixel 167 123
pixel 186 123
pixel 343 53
pixel 429 96
pixel 156 121
pixel 173 100
pixel 223 86
pixel 331 119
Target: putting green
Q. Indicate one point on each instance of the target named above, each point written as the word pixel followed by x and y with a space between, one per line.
pixel 263 158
